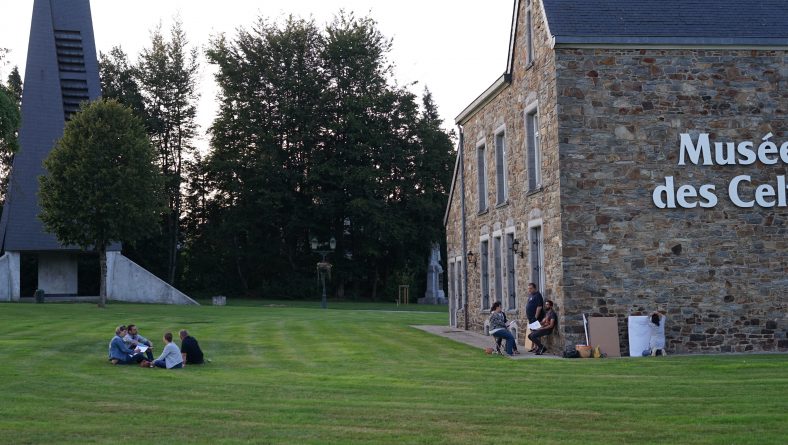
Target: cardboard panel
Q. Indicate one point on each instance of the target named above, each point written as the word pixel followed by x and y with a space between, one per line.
pixel 603 332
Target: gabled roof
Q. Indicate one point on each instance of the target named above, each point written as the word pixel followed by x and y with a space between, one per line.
pixel 669 22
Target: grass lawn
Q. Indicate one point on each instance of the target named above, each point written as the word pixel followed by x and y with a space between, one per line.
pixel 289 375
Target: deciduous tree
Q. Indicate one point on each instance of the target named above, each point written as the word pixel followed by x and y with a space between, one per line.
pixel 102 184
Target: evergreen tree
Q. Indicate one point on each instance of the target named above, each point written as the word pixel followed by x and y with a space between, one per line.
pixel 10 119
pixel 15 85
pixel 119 80
pixel 167 76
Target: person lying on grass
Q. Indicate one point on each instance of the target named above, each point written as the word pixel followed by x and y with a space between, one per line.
pixel 170 357
pixel 119 354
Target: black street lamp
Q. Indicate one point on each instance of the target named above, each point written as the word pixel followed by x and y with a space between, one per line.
pixel 323 266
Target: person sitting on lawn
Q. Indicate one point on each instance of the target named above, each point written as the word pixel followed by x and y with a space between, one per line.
pixel 119 353
pixel 133 338
pixel 170 357
pixel 498 327
pixel 190 349
pixel 548 324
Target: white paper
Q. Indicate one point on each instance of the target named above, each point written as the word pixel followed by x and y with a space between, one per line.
pixel 639 334
pixel 142 348
pixel 535 325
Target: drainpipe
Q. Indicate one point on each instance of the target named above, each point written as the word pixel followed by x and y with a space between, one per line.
pixel 461 154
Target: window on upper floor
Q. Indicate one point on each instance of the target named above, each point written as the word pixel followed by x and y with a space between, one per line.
pixel 481 164
pixel 500 167
pixel 533 149
pixel 529 33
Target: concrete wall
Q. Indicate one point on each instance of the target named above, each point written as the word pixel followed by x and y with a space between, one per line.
pixel 127 281
pixel 532 84
pixel 57 273
pixel 718 273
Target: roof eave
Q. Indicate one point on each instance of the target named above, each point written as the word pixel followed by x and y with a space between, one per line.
pixel 484 98
pixel 669 42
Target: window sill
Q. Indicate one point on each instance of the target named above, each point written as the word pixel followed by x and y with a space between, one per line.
pixel 502 204
pixel 534 191
pixel 483 212
pixel 530 65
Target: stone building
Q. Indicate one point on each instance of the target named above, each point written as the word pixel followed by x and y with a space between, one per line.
pixel 632 157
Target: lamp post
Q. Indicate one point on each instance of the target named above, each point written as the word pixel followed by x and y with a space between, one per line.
pixel 323 266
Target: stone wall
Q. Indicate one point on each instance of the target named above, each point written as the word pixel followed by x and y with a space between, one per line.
pixel 531 83
pixel 720 274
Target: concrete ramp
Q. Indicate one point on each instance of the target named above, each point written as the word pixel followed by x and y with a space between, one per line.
pixel 127 281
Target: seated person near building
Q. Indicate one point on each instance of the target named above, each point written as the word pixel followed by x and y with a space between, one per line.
pixel 119 353
pixel 133 338
pixel 498 340
pixel 548 324
pixel 170 357
pixel 190 349
pixel 498 327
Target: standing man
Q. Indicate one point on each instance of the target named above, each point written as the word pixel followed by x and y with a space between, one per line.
pixel 190 349
pixel 548 324
pixel 533 308
pixel 133 339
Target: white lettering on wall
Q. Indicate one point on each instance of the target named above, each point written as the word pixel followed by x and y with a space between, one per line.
pixel 741 191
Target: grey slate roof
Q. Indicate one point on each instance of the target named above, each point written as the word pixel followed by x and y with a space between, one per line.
pixel 680 22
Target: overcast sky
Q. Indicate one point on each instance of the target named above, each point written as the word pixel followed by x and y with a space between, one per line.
pixel 456 48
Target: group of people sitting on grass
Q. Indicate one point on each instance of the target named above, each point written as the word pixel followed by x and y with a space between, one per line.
pixel 128 347
pixel 536 309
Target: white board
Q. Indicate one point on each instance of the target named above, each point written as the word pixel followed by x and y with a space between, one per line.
pixel 639 334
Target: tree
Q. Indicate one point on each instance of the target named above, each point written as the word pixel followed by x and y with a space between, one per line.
pixel 10 120
pixel 102 184
pixel 15 85
pixel 119 81
pixel 314 138
pixel 167 76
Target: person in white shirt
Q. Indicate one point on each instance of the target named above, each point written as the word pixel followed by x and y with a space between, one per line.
pixel 170 357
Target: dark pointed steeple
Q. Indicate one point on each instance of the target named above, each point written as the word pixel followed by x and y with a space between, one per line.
pixel 61 72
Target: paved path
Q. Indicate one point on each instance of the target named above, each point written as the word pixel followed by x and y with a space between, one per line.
pixel 476 340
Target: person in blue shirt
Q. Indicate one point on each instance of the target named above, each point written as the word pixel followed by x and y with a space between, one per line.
pixel 119 353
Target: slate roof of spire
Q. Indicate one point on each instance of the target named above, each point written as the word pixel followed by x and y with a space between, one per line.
pixel 679 22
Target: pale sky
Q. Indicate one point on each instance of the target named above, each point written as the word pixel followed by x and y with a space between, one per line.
pixel 456 48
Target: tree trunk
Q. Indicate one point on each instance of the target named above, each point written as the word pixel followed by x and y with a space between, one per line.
pixel 103 282
pixel 173 247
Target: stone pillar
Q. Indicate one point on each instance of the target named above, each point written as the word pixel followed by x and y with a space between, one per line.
pixel 57 273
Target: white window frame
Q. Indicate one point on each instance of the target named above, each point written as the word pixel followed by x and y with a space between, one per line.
pixel 511 267
pixel 484 266
pixel 529 32
pixel 501 167
pixel 533 148
pixel 481 167
pixel 498 267
pixel 459 275
pixel 540 282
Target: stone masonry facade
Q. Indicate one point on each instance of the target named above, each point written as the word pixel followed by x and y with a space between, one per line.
pixel 719 274
pixel 610 126
pixel 533 88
